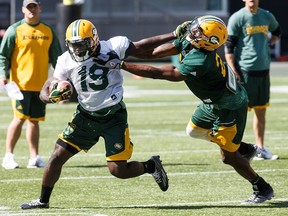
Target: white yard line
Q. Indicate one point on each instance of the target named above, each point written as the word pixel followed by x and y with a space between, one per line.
pixel 134 91
pixel 143 176
pixel 79 211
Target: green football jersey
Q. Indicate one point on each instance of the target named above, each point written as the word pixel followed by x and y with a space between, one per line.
pixel 208 77
pixel 205 71
pixel 252 50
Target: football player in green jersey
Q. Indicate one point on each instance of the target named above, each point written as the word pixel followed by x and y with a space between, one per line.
pixel 221 115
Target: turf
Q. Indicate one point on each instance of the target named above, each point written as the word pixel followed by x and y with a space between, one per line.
pixel 200 184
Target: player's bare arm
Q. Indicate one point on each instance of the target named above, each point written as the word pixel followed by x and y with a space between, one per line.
pixel 167 72
pixel 164 50
pixel 157 46
pixel 148 44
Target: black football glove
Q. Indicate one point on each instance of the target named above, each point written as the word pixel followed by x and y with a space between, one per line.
pixel 56 95
pixel 181 29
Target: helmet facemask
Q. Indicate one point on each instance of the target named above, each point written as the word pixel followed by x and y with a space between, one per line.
pixel 81 40
pixel 207 32
pixel 80 50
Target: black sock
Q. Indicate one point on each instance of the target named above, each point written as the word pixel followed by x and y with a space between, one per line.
pixel 45 194
pixel 149 166
pixel 244 148
pixel 259 184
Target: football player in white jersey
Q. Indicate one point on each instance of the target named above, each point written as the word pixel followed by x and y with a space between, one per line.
pixel 101 111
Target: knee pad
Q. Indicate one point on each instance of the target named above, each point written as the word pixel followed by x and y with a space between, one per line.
pixel 196 132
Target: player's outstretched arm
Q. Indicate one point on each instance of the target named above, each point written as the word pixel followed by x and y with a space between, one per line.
pixel 148 44
pixel 158 46
pixel 167 72
pixel 164 50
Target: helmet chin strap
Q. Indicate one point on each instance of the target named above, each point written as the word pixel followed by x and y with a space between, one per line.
pixel 192 41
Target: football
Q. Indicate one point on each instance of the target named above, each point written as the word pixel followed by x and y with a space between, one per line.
pixel 62 84
pixel 60 90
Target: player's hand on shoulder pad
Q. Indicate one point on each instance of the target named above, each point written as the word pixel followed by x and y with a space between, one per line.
pixel 60 90
pixel 111 63
pixel 181 29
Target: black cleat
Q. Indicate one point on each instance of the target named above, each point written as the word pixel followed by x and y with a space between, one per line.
pixel 159 174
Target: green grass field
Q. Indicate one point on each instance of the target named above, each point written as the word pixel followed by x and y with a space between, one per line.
pixel 200 184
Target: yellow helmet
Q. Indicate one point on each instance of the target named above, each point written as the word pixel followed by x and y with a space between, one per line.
pixel 81 39
pixel 207 32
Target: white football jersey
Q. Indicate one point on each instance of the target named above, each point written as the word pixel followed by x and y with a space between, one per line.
pixel 97 87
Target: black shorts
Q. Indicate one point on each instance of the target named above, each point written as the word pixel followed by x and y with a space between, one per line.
pixel 84 131
pixel 31 107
